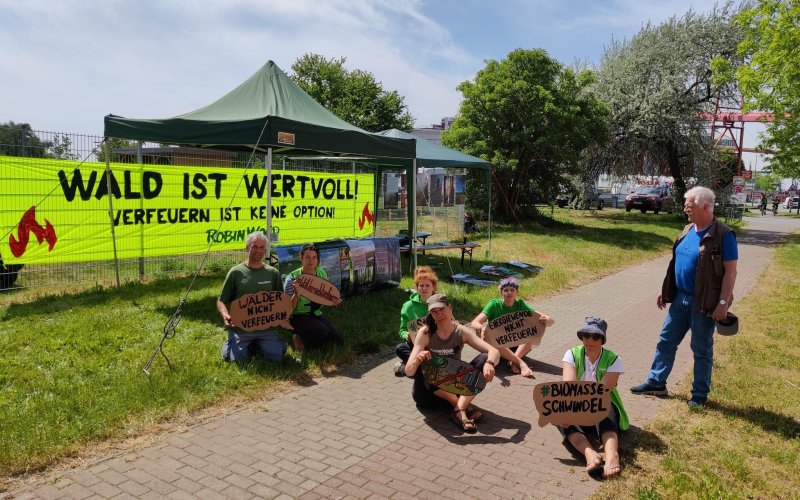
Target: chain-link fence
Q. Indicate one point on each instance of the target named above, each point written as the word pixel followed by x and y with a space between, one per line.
pixel 23 150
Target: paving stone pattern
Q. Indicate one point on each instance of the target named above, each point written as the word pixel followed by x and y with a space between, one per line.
pixel 359 435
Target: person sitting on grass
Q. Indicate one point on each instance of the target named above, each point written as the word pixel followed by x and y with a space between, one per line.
pixel 591 362
pixel 509 303
pixel 443 336
pixel 425 283
pixel 312 330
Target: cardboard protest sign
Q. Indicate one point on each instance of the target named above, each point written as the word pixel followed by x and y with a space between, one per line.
pixel 317 290
pixel 262 310
pixel 571 403
pixel 453 375
pixel 516 328
pixel 413 326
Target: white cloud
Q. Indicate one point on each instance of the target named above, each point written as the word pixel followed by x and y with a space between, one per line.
pixel 66 64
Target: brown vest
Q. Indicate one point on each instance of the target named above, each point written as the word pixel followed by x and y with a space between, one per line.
pixel 708 278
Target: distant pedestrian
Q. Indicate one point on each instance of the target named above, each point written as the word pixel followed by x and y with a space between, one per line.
pixel 699 288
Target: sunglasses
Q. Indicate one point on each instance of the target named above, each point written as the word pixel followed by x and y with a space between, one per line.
pixel 593 336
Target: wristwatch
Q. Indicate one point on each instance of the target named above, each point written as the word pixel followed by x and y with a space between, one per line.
pixel 722 302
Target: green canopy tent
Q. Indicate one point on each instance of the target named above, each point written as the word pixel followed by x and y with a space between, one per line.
pixel 268 113
pixel 268 110
pixel 432 155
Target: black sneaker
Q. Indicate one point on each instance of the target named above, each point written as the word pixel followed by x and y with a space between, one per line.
pixel 650 390
pixel 400 369
pixel 696 404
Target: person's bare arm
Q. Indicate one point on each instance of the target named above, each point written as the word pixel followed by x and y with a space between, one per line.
pixel 420 353
pixel 226 315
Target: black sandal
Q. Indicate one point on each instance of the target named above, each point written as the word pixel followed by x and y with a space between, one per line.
pixel 474 413
pixel 466 424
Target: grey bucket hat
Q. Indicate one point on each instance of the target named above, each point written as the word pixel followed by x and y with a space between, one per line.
pixel 728 326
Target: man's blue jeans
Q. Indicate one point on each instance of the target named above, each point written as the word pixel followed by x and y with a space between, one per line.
pixel 681 317
pixel 237 347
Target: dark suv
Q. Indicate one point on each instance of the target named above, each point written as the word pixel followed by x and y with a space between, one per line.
pixel 650 198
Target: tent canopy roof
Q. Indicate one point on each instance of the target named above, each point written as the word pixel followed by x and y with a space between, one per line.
pixel 432 155
pixel 267 110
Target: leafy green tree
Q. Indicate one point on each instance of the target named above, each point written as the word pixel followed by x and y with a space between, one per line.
pixel 768 182
pixel 354 96
pixel 61 148
pixel 770 79
pixel 18 139
pixel 532 118
pixel 657 85
pixel 113 143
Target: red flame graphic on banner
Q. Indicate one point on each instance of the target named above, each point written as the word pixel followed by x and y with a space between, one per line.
pixel 29 225
pixel 366 215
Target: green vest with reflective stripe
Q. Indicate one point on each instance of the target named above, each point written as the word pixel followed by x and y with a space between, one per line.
pixel 607 358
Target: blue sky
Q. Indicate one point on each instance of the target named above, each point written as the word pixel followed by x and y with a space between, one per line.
pixel 65 64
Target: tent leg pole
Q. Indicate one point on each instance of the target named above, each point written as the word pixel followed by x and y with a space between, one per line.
pixel 411 210
pixel 139 161
pixel 489 247
pixel 377 183
pixel 111 207
pixel 268 166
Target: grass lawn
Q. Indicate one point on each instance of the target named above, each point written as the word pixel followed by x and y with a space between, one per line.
pixel 746 444
pixel 71 364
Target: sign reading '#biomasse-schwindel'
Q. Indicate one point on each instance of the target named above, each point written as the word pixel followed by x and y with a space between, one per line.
pixel 58 211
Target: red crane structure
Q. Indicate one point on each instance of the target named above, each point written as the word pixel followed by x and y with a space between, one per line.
pixel 725 124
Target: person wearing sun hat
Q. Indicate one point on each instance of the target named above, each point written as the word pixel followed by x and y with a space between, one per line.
pixel 509 302
pixel 592 362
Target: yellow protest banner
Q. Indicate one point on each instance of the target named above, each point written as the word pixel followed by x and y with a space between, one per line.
pixel 58 211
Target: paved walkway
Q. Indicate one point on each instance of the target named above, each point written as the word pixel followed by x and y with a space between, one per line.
pixel 359 434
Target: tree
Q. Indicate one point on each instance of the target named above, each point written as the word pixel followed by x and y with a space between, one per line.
pixel 531 118
pixel 770 79
pixel 354 96
pixel 113 143
pixel 61 148
pixel 657 86
pixel 18 139
pixel 768 182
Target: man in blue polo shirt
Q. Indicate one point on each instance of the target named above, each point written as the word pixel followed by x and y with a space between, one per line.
pixel 699 288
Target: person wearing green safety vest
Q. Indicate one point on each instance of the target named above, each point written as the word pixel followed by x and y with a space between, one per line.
pixel 592 362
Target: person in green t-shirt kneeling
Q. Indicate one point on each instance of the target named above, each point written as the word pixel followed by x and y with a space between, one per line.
pixel 251 276
pixel 312 330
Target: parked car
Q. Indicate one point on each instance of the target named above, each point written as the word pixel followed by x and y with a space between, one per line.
pixel 591 199
pixel 653 198
pixel 791 202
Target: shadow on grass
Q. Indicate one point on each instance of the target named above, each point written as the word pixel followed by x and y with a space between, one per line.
pixel 99 296
pixel 783 425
